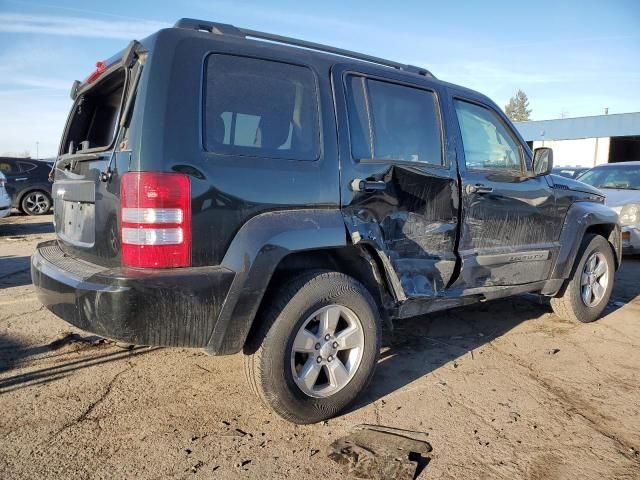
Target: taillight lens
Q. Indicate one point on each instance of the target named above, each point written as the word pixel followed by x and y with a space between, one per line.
pixel 155 220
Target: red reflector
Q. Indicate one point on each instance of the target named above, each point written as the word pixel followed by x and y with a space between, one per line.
pixel 100 68
pixel 155 220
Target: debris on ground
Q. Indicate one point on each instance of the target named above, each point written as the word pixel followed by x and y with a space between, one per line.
pixel 382 453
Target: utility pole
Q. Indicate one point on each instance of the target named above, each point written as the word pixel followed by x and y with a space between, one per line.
pixel 37 150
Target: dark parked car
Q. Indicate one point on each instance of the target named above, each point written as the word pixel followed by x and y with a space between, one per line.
pixel 220 191
pixel 569 172
pixel 28 184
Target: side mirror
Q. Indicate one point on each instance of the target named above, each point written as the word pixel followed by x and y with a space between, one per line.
pixel 542 161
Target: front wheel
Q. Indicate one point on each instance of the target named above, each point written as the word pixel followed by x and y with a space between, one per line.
pixel 316 347
pixel 587 292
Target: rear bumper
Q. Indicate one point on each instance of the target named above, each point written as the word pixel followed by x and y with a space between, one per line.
pixel 176 307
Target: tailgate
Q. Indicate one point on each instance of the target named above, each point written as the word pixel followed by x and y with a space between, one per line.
pixel 86 190
pixel 86 212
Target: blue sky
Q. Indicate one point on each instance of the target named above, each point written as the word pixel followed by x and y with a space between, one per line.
pixel 571 58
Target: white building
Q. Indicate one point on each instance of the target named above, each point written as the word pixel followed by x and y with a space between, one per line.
pixel 586 141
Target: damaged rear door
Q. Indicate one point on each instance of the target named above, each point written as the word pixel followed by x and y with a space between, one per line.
pixel 398 183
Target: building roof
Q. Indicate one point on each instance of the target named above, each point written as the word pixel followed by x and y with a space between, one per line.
pixel 616 125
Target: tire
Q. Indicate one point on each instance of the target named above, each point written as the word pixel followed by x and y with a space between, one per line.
pixel 270 364
pixel 36 202
pixel 570 303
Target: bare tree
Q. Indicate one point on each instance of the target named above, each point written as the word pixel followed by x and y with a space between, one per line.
pixel 517 108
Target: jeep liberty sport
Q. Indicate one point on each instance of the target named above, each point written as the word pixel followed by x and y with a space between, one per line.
pixel 233 190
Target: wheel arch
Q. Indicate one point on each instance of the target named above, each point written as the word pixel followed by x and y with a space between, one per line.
pixel 272 247
pixel 581 219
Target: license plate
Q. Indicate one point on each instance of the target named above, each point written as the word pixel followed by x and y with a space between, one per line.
pixel 75 222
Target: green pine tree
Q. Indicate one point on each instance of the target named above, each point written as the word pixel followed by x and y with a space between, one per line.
pixel 517 109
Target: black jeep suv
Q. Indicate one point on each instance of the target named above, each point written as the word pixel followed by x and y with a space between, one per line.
pixel 231 190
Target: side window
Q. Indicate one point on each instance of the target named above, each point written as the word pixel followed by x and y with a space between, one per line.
pixel 260 108
pixel 26 167
pixel 392 122
pixel 487 143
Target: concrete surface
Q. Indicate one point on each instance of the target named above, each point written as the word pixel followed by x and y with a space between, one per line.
pixel 502 390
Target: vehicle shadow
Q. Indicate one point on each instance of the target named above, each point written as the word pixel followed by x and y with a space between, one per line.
pixel 420 345
pixel 14 354
pixel 14 271
pixel 25 228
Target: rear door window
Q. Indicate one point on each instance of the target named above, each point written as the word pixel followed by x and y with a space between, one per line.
pixel 393 122
pixel 260 108
pixel 26 167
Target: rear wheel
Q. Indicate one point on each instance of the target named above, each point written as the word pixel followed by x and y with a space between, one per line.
pixel 587 292
pixel 316 348
pixel 36 203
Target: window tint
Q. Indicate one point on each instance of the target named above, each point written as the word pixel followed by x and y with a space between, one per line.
pixel 394 122
pixel 260 108
pixel 487 143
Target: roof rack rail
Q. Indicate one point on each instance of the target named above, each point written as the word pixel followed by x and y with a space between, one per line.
pixel 226 29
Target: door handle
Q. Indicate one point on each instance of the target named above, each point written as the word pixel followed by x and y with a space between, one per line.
pixel 359 185
pixel 21 179
pixel 478 188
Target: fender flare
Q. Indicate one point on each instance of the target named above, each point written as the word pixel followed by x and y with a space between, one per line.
pixel 581 216
pixel 254 253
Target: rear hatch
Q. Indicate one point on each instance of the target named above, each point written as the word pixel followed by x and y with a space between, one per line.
pixel 94 149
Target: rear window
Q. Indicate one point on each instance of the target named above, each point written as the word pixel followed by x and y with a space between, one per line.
pixel 393 122
pixel 95 114
pixel 260 108
pixel 26 167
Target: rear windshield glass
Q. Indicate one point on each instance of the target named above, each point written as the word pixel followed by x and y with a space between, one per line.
pixel 260 108
pixel 95 114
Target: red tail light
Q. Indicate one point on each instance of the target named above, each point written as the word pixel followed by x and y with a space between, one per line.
pixel 100 69
pixel 155 220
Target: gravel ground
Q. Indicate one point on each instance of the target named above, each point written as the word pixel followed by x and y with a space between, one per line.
pixel 504 389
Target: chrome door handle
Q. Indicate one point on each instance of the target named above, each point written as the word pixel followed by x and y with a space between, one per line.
pixel 21 179
pixel 359 185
